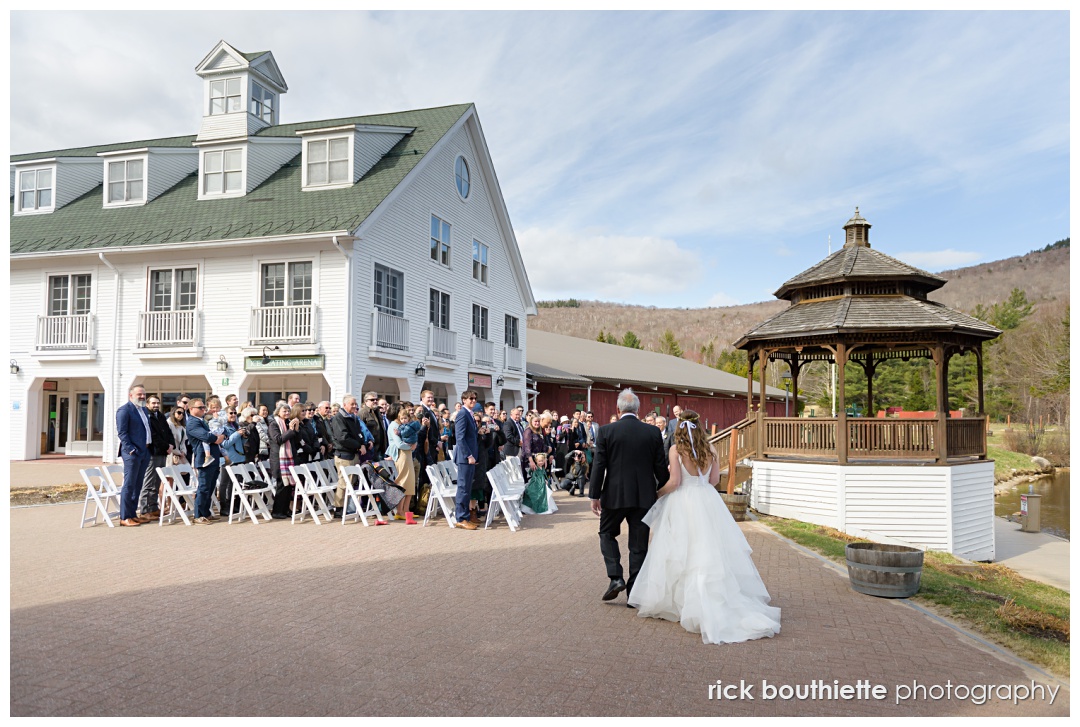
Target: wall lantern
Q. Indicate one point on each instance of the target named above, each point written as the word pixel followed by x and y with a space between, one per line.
pixel 266 356
pixel 14 367
pixel 421 371
pixel 500 381
pixel 222 364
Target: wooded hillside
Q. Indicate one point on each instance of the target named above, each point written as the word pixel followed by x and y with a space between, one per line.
pixel 1042 275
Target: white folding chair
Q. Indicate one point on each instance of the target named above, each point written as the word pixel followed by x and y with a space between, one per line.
pixel 515 480
pixel 266 476
pixel 326 472
pixel 441 496
pixel 100 490
pixel 503 500
pixel 309 492
pixel 450 469
pixel 362 496
pixel 173 488
pixel 253 501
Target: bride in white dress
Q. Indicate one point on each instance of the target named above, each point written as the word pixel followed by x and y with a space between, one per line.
pixel 698 569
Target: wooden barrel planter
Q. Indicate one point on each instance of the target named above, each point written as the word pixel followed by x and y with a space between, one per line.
pixel 736 505
pixel 889 571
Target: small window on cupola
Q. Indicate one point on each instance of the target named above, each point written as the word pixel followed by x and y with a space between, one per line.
pixel 225 96
pixel 263 103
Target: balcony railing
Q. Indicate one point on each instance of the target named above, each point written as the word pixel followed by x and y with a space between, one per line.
pixel 65 332
pixel 283 324
pixel 513 358
pixel 441 342
pixel 168 328
pixel 389 331
pixel 483 352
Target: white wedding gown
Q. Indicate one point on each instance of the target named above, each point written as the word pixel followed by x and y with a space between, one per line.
pixel 698 569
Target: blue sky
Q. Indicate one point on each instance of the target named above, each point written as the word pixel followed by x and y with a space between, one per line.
pixel 668 159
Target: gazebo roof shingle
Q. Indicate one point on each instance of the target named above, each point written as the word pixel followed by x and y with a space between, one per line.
pixel 859 262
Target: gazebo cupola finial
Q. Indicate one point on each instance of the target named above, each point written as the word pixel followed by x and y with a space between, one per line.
pixel 858 231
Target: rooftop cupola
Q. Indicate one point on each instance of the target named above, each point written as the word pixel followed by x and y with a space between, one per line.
pixel 858 231
pixel 241 92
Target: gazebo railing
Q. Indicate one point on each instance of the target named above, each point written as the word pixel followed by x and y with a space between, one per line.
pixel 966 437
pixel 878 439
pixel 801 437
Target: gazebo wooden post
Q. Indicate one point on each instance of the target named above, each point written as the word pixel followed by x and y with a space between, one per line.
pixel 794 365
pixel 750 383
pixel 763 362
pixel 979 376
pixel 842 437
pixel 941 436
pixel 869 370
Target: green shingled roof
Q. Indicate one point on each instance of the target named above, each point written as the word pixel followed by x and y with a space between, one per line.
pixel 276 207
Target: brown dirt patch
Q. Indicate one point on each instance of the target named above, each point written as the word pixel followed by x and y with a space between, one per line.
pixel 45 495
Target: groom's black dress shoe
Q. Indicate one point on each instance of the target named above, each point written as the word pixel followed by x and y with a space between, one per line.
pixel 617 586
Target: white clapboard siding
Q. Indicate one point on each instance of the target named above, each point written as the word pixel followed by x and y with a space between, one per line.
pixel 75 176
pixel 264 157
pixel 223 126
pixel 973 511
pixel 936 508
pixel 400 239
pixel 369 146
pixel 165 168
pixel 794 492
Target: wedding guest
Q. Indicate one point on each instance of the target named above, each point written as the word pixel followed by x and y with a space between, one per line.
pixel 177 418
pixel 532 443
pixel 403 436
pixel 284 436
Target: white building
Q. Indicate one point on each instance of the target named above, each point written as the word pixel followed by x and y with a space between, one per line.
pixel 260 258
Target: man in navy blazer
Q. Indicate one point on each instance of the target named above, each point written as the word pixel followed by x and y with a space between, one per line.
pixel 208 468
pixel 465 454
pixel 133 429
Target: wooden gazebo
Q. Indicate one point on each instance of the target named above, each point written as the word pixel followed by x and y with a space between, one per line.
pixel 862 306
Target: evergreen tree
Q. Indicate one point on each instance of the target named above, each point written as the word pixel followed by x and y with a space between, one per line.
pixel 669 345
pixel 630 340
pixel 708 353
pixel 733 361
pixel 600 336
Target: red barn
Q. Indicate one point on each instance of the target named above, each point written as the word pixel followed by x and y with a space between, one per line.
pixel 577 373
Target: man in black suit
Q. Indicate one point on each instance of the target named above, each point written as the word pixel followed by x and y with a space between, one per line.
pixel 513 430
pixel 371 415
pixel 161 446
pixel 629 465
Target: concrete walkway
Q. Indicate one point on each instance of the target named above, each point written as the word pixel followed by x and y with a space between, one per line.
pixel 295 620
pixel 1039 556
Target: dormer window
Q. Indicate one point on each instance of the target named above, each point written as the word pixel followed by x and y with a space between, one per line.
pixel 126 181
pixel 328 161
pixel 225 96
pixel 263 102
pixel 35 190
pixel 223 172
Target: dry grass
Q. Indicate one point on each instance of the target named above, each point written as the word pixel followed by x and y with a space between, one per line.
pixel 1036 623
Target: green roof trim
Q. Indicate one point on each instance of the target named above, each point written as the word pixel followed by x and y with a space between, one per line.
pixel 278 206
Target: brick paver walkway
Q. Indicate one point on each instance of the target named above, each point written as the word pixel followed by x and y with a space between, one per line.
pixel 281 619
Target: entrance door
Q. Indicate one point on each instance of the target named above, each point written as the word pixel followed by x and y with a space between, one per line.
pixel 58 423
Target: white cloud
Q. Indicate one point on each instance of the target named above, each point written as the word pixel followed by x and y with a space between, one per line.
pixel 939 259
pixel 607 267
pixel 721 299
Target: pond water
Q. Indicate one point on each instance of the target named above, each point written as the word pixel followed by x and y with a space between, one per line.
pixel 1055 502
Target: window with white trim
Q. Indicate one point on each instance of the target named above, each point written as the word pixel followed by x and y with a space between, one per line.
pixel 389 291
pixel 286 284
pixel 223 171
pixel 511 335
pixel 461 177
pixel 480 321
pixel 327 161
pixel 69 295
pixel 439 309
pixel 263 102
pixel 225 96
pixel 440 241
pixel 126 181
pixel 173 289
pixel 479 261
pixel 35 190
